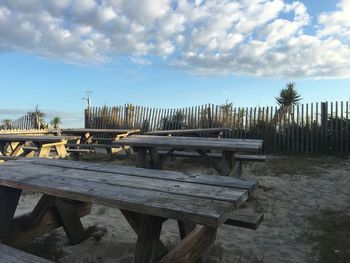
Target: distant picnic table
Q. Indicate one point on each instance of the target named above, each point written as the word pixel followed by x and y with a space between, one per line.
pixel 202 132
pixel 87 134
pixel 90 139
pixel 202 147
pixel 15 145
pixel 146 198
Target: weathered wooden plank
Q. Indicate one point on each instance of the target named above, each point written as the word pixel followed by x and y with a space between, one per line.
pixel 9 198
pixel 243 183
pixel 70 220
pixel 25 228
pixel 12 255
pixel 245 219
pixel 198 210
pixel 147 239
pixel 221 193
pixel 201 131
pixel 192 247
pixel 191 143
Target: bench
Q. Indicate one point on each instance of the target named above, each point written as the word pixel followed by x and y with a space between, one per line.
pixel 245 220
pixel 29 151
pixel 8 158
pixel 111 148
pixel 89 146
pixel 240 158
pixel 12 255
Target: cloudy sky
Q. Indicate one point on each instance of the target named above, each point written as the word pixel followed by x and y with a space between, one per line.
pixel 170 53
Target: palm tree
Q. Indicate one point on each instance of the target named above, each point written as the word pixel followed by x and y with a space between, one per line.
pixel 6 124
pixel 56 121
pixel 226 110
pixel 36 116
pixel 287 98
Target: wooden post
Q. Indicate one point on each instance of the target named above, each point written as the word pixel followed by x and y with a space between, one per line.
pixel 210 121
pixel 9 198
pixel 324 118
pixel 126 116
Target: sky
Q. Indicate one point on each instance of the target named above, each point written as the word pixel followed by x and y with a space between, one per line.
pixel 169 53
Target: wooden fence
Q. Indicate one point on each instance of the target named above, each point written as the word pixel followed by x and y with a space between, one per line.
pixel 305 128
pixel 23 123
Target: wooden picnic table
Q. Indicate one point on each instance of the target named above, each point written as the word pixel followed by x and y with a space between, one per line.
pixel 13 145
pixel 87 134
pixel 201 132
pixel 145 197
pixel 143 144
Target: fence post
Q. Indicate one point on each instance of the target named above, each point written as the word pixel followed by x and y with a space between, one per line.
pixel 86 118
pixel 210 122
pixel 126 116
pixel 324 124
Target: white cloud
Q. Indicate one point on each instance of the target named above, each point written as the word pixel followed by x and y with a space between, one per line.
pixel 245 37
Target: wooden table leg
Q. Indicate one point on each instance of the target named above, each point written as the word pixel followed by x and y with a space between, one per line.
pixel 9 198
pixel 134 220
pixel 43 219
pixel 70 220
pixel 226 163
pixel 192 247
pixel 61 150
pixel 87 138
pixel 141 157
pixel 16 148
pixel 185 228
pixel 156 161
pixel 146 250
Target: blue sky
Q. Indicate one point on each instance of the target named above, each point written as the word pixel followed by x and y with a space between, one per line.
pixel 179 54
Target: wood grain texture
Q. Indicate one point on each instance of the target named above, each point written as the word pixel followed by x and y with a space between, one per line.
pixel 208 131
pixel 171 198
pixel 234 145
pixel 12 255
pixel 192 247
pixel 24 228
pixel 9 198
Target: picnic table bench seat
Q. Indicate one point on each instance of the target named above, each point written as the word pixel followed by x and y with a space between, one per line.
pixel 86 151
pixel 239 158
pixel 12 255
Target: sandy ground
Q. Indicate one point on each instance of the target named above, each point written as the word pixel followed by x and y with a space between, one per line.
pixel 291 191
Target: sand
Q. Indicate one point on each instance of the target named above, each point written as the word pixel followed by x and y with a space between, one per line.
pixel 291 190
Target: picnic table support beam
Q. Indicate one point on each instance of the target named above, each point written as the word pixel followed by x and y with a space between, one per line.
pixel 192 247
pixel 70 220
pixel 226 163
pixel 9 198
pixel 141 157
pixel 185 228
pixel 156 161
pixel 134 220
pixel 43 219
pixel 146 250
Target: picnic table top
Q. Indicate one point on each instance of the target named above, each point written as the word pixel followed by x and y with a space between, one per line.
pixel 36 138
pixel 98 131
pixel 188 131
pixel 202 199
pixel 225 144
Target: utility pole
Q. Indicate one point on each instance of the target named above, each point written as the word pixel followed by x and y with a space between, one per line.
pixel 88 110
pixel 88 98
